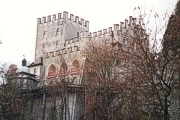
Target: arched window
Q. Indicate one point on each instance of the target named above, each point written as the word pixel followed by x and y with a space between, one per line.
pixel 75 63
pixel 75 67
pixel 124 40
pixel 44 47
pixel 63 69
pixel 51 71
pixel 35 71
pixel 52 68
pixel 45 34
pixel 58 31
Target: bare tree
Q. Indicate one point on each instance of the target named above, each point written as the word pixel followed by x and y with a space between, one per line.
pixel 10 101
pixel 159 69
pixel 149 75
pixel 112 90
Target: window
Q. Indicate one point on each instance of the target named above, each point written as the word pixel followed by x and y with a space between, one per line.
pixel 44 47
pixel 52 68
pixel 35 71
pixel 77 34
pixel 58 31
pixel 40 60
pixel 75 64
pixel 76 80
pixel 75 67
pixel 51 71
pixel 45 34
pixel 124 39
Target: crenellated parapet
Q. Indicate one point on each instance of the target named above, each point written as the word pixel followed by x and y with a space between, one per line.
pixel 65 18
pixel 63 37
pixel 117 29
pixel 70 45
pixel 124 32
pixel 62 52
pixel 119 32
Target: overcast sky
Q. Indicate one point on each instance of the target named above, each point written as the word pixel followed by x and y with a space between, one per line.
pixel 18 19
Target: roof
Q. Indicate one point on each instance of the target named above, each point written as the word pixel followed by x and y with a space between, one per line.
pixel 24 60
pixel 34 64
pixel 23 69
pixel 27 73
pixel 29 76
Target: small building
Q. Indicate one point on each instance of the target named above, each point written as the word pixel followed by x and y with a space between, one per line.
pixel 24 79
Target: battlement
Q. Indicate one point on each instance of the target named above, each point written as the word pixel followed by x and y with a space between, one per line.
pixel 67 50
pixel 121 28
pixel 76 41
pixel 70 45
pixel 120 31
pixel 79 22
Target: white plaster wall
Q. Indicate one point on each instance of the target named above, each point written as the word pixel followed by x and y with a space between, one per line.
pixel 37 69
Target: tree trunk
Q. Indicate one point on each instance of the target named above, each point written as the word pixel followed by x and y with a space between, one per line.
pixel 166 115
pixel 44 106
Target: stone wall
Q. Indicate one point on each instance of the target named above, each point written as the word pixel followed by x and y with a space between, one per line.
pixel 64 39
pixel 54 105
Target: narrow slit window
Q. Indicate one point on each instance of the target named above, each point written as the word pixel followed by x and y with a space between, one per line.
pixel 45 34
pixel 58 31
pixel 77 34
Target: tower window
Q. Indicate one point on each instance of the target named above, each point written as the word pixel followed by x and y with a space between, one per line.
pixel 58 31
pixel 44 47
pixel 45 34
pixel 77 34
pixel 40 60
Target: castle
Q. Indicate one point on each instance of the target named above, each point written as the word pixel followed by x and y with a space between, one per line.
pixel 60 41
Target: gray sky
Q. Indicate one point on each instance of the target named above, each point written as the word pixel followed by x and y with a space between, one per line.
pixel 19 18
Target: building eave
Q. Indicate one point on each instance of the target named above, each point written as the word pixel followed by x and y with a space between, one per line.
pixel 26 73
pixel 32 65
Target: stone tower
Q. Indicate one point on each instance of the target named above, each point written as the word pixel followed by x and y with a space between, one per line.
pixel 52 32
pixel 58 42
